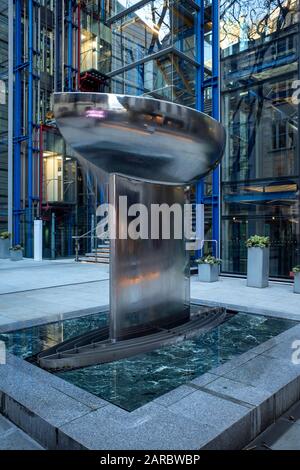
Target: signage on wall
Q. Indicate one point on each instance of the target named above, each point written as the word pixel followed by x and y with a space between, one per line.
pixel 2 92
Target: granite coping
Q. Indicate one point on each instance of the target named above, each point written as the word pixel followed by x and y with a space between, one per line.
pixel 225 408
pixel 39 320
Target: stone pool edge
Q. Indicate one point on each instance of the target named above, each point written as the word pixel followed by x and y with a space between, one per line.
pixel 225 408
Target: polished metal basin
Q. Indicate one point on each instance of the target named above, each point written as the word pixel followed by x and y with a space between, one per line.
pixel 140 137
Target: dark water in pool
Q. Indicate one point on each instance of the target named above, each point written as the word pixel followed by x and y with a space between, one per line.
pixel 130 383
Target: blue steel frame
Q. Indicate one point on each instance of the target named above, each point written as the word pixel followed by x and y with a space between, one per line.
pixel 201 85
pixel 69 65
pixel 18 136
pixel 30 117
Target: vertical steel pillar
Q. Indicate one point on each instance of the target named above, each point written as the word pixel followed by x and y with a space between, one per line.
pixel 53 241
pixel 79 45
pixel 17 123
pixel 216 213
pixel 103 10
pixel 29 218
pixel 58 52
pixel 10 112
pixel 200 85
pixel 70 46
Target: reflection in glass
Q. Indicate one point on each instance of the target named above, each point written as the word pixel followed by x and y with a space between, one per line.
pixel 260 171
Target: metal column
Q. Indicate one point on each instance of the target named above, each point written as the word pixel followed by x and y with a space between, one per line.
pixel 202 84
pixel 216 114
pixel 17 123
pixel 29 218
pixel 10 112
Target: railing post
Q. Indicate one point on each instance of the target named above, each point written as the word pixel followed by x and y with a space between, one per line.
pixel 76 250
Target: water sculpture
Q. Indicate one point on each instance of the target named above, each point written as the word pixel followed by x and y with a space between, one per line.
pixel 151 150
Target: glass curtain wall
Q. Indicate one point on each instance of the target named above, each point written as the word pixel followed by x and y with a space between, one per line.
pixel 260 171
pixel 154 50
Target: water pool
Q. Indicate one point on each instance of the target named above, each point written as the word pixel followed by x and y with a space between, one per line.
pixel 131 383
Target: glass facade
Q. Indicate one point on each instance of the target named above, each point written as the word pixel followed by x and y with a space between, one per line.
pixel 152 48
pixel 261 166
pixel 154 51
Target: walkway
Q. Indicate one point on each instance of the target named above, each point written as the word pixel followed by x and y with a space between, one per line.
pixel 12 438
pixel 40 292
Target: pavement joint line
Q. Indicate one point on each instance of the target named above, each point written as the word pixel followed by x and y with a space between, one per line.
pixel 92 407
pixel 77 417
pixel 53 287
pixel 9 432
pixel 222 395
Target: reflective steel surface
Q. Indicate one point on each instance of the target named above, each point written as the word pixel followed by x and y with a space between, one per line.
pixel 140 137
pixel 149 279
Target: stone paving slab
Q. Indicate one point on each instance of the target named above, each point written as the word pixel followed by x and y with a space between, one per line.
pixel 35 405
pixel 265 373
pixel 12 438
pixel 21 310
pixel 28 275
pixel 278 300
pixel 18 440
pixel 152 427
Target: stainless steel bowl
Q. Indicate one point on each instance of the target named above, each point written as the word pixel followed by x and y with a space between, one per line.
pixel 140 137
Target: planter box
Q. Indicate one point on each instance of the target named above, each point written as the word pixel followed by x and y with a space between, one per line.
pixel 258 267
pixel 208 272
pixel 16 255
pixel 297 283
pixel 4 248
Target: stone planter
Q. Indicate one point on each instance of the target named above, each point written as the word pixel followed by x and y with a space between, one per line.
pixel 16 255
pixel 4 248
pixel 258 267
pixel 297 283
pixel 208 272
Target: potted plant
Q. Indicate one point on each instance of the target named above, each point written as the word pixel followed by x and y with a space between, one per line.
pixel 16 253
pixel 208 268
pixel 258 261
pixel 296 272
pixel 4 245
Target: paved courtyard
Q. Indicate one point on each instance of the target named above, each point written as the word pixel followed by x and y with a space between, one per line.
pixel 46 291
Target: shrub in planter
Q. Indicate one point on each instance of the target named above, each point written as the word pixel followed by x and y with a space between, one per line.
pixel 16 253
pixel 258 261
pixel 208 269
pixel 4 245
pixel 296 272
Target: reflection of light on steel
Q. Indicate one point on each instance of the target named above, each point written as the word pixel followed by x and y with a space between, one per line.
pixel 139 279
pixel 95 113
pixel 150 139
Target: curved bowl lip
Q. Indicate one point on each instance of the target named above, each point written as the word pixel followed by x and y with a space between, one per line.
pixel 203 115
pixel 81 93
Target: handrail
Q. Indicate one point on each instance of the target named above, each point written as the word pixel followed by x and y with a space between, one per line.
pixel 85 235
pixel 77 238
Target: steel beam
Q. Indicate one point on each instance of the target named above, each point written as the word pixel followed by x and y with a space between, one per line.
pixel 17 122
pixel 200 76
pixel 216 114
pixel 10 112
